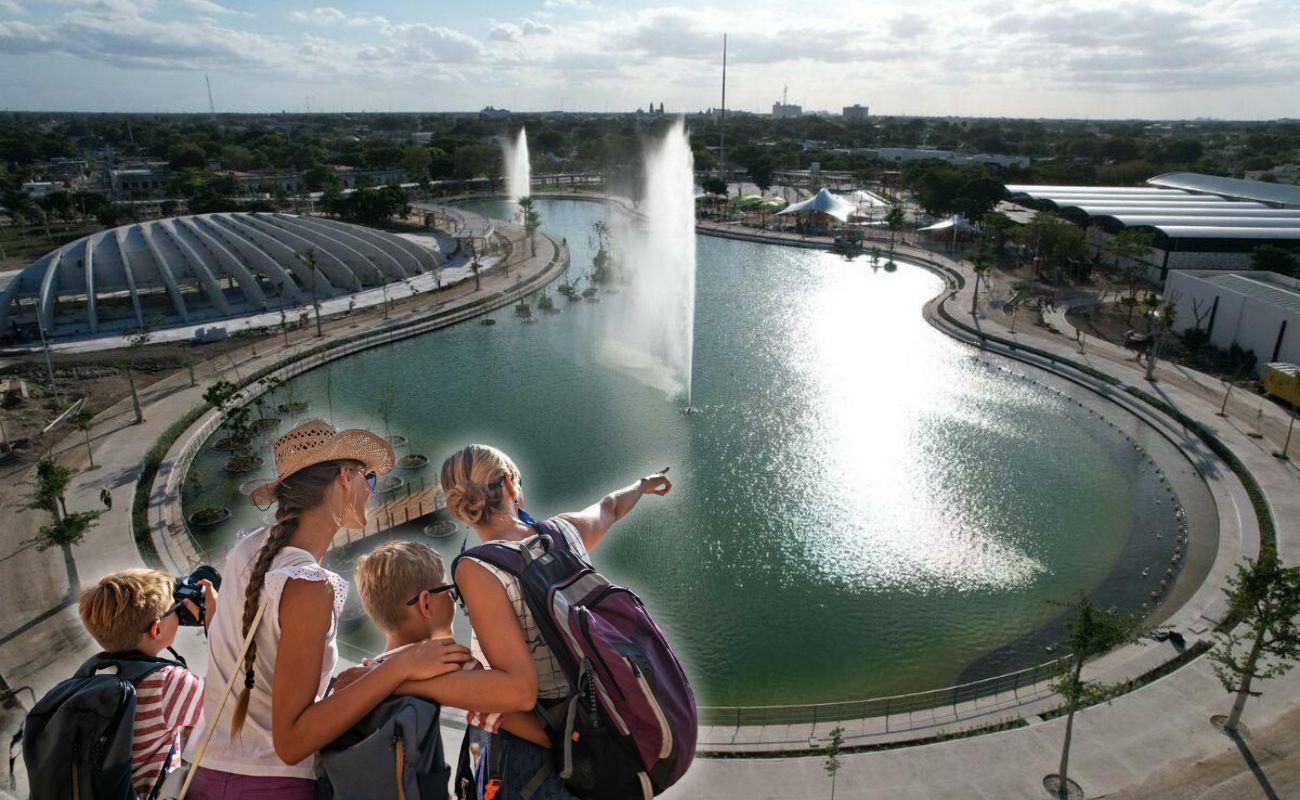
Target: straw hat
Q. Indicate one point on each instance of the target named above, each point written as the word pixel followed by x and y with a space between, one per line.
pixel 315 441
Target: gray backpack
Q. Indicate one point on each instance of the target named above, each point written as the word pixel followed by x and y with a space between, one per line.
pixel 395 751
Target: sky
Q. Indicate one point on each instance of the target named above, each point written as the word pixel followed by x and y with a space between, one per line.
pixel 1167 59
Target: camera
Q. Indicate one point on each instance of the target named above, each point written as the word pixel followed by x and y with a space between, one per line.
pixel 189 588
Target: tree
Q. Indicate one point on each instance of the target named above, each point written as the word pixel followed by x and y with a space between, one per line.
pixel 187 155
pixel 1161 318
pixel 67 530
pixel 833 763
pixel 474 266
pixel 1090 632
pixel 895 220
pixel 1265 596
pixel 83 419
pixel 136 339
pixel 1272 258
pixel 532 219
pixel 712 184
pixel 982 260
pixel 308 257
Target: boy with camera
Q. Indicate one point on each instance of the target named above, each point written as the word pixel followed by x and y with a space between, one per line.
pixel 134 615
pixel 139 610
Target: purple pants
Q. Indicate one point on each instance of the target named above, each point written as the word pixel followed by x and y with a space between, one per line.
pixel 211 784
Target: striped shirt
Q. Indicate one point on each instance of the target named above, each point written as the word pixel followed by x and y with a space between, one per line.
pixel 165 701
pixel 551 683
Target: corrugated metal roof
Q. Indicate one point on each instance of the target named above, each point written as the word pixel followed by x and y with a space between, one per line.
pixel 1260 289
pixel 1275 193
pixel 1221 232
pixel 1208 220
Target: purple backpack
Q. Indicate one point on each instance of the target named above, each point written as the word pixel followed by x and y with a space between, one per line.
pixel 628 726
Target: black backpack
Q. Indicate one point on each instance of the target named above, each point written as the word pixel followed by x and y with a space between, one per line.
pixel 77 739
pixel 395 751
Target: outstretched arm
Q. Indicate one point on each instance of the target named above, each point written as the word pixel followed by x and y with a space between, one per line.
pixel 593 521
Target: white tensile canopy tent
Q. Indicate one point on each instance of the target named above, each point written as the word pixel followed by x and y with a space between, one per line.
pixel 825 203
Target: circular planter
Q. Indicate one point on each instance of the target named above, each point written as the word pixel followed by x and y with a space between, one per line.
pixel 413 462
pixel 440 529
pixel 397 440
pixel 391 484
pixel 227 444
pixel 209 517
pixel 487 321
pixel 292 408
pixel 242 464
pixel 265 424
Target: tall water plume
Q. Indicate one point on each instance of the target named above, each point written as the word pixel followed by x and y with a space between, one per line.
pixel 518 168
pixel 655 335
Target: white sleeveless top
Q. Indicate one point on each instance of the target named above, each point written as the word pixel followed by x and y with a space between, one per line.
pixel 252 752
pixel 551 683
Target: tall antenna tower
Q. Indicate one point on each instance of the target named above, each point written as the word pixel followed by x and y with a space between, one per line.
pixel 785 95
pixel 722 118
pixel 212 107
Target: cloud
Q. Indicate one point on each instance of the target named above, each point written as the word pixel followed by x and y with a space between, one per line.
pixel 209 7
pixel 11 6
pixel 909 26
pixel 509 32
pixel 328 16
pixel 584 5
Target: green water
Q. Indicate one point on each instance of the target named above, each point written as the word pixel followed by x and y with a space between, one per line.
pixel 863 507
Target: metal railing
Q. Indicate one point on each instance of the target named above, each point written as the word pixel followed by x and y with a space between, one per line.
pixel 1011 688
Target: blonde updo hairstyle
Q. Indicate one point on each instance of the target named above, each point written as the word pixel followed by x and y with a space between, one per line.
pixel 472 480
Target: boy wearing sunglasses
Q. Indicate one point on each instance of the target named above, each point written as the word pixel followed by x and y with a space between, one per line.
pixel 403 591
pixel 134 611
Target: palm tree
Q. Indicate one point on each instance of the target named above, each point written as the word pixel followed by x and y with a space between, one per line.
pixel 981 261
pixel 308 257
pixel 136 338
pixel 532 219
pixel 895 220
pixel 66 530
pixel 474 267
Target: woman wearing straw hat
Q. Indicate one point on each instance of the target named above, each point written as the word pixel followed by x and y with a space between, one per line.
pixel 290 605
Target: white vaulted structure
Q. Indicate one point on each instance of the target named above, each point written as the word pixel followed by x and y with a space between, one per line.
pixel 205 267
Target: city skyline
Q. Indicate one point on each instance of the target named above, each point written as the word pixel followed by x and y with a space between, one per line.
pixel 1173 59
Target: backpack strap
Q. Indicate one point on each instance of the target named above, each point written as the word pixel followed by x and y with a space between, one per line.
pixel 132 665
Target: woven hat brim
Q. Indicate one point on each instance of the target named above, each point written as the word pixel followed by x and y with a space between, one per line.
pixel 353 444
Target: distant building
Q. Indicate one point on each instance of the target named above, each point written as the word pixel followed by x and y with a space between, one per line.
pixel 786 110
pixel 855 112
pixel 148 178
pixel 38 189
pixel 422 137
pixel 494 113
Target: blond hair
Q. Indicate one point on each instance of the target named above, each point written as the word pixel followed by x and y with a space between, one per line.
pixel 393 573
pixel 472 479
pixel 123 605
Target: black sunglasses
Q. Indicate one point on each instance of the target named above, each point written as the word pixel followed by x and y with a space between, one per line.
pixel 176 607
pixel 451 587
